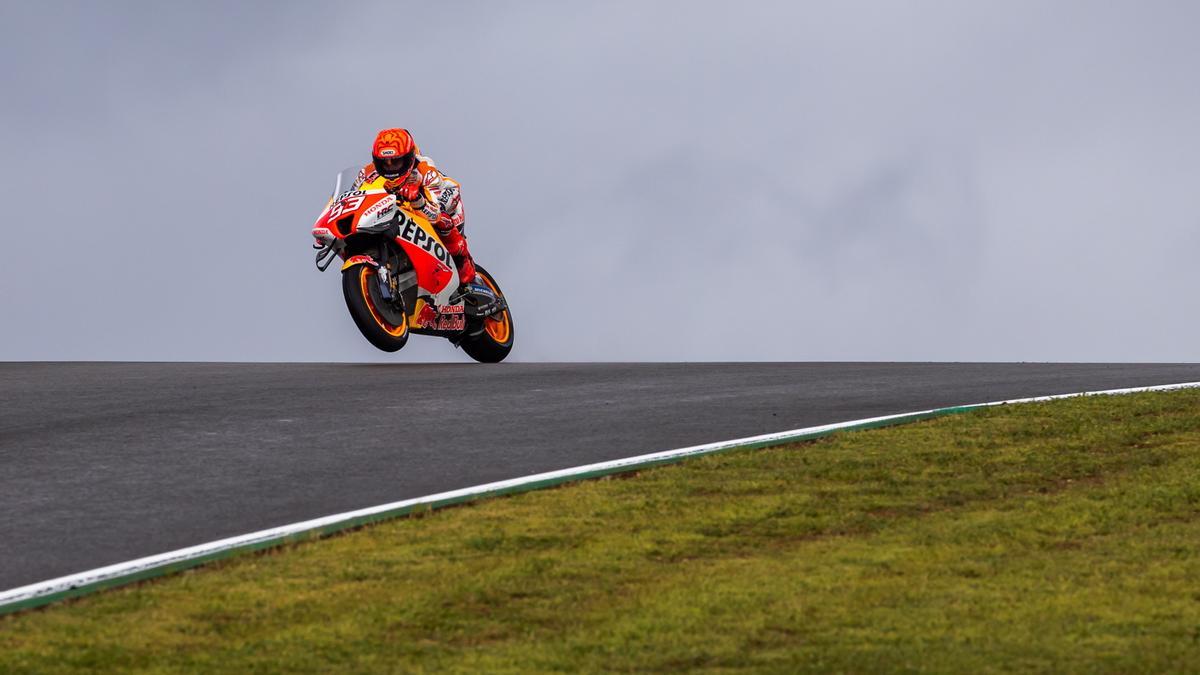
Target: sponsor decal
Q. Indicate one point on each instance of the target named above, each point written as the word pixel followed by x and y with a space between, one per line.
pixel 414 234
pixel 452 322
pixel 380 207
pixel 347 204
pixel 441 317
pixel 387 152
pixel 359 259
pixel 448 195
pixel 322 233
pixel 427 317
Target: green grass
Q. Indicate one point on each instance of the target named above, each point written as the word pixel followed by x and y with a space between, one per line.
pixel 1047 537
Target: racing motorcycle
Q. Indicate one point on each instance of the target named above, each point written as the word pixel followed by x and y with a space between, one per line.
pixel 398 278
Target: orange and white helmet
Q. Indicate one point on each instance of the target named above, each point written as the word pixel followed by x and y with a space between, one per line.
pixel 394 153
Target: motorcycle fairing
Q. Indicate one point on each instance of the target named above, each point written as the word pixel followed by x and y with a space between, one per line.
pixel 359 260
pixel 357 210
pixel 436 273
pixel 434 318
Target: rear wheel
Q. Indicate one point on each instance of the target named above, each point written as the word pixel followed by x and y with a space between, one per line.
pixel 496 340
pixel 382 322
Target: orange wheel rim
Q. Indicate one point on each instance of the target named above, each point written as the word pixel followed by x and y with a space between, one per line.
pixel 394 331
pixel 498 327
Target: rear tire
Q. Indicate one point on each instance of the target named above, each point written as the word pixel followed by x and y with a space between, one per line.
pixel 383 326
pixel 496 340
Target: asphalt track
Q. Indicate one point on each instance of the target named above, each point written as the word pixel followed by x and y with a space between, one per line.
pixel 105 462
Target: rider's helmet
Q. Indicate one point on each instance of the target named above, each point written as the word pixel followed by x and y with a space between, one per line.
pixel 394 153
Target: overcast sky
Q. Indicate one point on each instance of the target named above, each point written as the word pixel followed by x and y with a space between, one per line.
pixel 842 180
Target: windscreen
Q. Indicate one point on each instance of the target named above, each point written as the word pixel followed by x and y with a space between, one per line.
pixel 345 180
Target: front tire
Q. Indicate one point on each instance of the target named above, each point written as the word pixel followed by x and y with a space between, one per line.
pixel 383 324
pixel 496 340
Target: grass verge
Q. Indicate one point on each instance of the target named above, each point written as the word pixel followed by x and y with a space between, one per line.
pixel 1056 536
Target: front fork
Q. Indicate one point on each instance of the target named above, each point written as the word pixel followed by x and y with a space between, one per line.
pixel 384 277
pixel 392 288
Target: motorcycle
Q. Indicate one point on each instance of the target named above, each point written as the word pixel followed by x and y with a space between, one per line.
pixel 398 278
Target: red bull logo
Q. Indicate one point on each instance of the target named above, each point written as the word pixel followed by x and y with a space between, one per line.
pixel 427 317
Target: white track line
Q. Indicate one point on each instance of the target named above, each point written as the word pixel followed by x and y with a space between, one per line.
pixel 132 568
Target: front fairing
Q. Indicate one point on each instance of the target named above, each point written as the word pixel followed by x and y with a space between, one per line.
pixel 357 211
pixel 366 209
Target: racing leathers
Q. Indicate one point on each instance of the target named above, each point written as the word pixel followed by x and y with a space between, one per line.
pixel 436 197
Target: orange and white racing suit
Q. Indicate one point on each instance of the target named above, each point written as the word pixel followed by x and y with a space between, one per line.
pixel 440 201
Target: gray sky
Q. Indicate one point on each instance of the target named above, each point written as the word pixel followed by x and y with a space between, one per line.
pixel 670 181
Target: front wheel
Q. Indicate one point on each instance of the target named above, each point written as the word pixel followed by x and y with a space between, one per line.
pixel 496 340
pixel 382 322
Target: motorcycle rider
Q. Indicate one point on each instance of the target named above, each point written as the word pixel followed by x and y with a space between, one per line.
pixel 398 166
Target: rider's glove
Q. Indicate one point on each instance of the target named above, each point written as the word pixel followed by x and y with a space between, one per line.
pixel 405 191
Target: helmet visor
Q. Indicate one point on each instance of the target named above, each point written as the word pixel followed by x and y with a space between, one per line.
pixel 395 166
